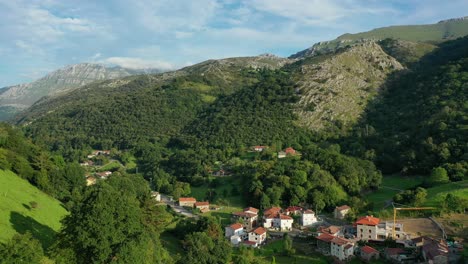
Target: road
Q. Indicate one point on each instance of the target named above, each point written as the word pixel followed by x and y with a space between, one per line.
pixel 178 209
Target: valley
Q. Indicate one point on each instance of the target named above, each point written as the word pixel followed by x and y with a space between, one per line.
pixel 257 159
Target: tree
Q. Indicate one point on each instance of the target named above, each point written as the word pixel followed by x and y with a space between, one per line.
pixel 21 248
pixel 107 225
pixel 438 176
pixel 288 247
pixel 202 249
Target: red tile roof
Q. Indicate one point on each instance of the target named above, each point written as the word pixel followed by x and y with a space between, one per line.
pixel 325 237
pixel 339 241
pixel 348 246
pixel 259 231
pixel 236 226
pixel 250 242
pixel 271 212
pixel 368 250
pixel 187 199
pixel 343 207
pixel 201 203
pixel 290 151
pixel 284 217
pixel 329 230
pixel 308 211
pixel 368 220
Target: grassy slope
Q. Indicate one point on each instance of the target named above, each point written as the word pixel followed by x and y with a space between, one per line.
pixel 437 194
pixel 16 214
pixel 389 186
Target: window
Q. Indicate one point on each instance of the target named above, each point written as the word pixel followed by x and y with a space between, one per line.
pixel 361 230
pixel 369 236
pixel 370 231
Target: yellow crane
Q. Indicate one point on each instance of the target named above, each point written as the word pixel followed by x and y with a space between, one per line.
pixel 395 209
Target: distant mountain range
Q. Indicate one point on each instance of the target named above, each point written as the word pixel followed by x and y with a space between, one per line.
pixel 19 97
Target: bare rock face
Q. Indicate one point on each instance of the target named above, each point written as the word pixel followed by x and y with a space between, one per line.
pixel 21 96
pixel 338 88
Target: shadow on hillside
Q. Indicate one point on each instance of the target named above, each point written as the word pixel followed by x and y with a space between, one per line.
pixel 22 224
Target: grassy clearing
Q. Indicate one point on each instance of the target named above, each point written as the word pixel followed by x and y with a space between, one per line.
pixel 276 248
pixel 111 166
pixel 17 214
pixel 436 195
pixel 391 184
pixel 224 189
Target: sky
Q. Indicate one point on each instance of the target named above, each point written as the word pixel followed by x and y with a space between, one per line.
pixel 37 37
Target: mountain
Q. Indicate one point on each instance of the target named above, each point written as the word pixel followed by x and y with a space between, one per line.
pixel 432 33
pixel 19 97
pixel 334 90
pixel 140 108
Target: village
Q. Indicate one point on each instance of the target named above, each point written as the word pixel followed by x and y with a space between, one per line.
pixel 368 238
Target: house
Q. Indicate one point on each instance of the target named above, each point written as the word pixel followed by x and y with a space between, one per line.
pixel 283 222
pixel 90 180
pixel 259 148
pixel 156 196
pixel 268 216
pixel 293 210
pixel 330 230
pixel 187 201
pixel 235 240
pixel 369 253
pixel 341 248
pixel 258 235
pixel 435 251
pixel 290 151
pixel 367 228
pixel 104 174
pixel 234 230
pixel 281 154
pixel 341 211
pixel 308 218
pixel 324 243
pixel 203 206
pixel 249 217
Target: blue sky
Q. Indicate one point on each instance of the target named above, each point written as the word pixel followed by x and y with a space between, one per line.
pixel 37 37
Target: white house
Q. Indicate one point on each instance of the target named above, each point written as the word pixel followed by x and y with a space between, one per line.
pixel 367 228
pixel 156 196
pixel 258 235
pixel 283 222
pixel 249 217
pixel 269 215
pixel 308 218
pixel 234 230
pixel 341 248
pixel 235 240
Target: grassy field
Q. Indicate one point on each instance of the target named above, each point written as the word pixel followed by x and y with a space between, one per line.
pixel 111 166
pixel 437 194
pixel 223 190
pixel 391 184
pixel 276 248
pixel 17 214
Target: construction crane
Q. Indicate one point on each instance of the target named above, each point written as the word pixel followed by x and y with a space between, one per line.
pixel 395 209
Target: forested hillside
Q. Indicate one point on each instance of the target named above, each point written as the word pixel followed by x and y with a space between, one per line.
pixel 420 121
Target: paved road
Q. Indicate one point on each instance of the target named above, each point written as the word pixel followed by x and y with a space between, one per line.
pixel 178 209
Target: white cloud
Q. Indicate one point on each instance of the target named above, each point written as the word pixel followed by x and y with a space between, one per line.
pixel 317 12
pixel 138 63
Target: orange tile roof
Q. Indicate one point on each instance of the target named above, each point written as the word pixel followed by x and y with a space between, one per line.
pixel 325 237
pixel 236 226
pixel 293 209
pixel 284 217
pixel 244 214
pixel 259 231
pixel 202 203
pixel 270 212
pixel 368 220
pixel 290 151
pixel 308 211
pixel 187 199
pixel 368 250
pixel 340 241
